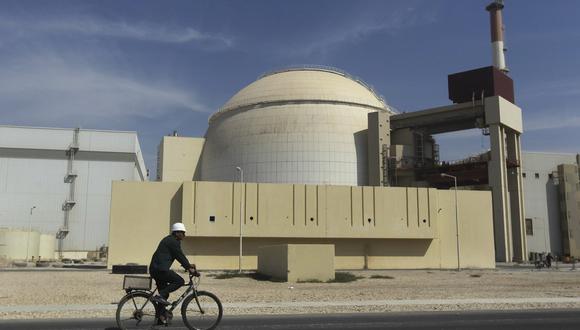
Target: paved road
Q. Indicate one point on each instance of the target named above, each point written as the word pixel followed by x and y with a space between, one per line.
pixel 528 320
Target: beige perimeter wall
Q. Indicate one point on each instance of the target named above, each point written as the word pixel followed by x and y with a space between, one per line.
pixel 140 216
pixel 371 227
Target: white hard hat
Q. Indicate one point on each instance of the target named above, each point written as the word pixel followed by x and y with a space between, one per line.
pixel 178 226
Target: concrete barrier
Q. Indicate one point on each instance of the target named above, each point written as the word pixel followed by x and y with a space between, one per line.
pixel 297 262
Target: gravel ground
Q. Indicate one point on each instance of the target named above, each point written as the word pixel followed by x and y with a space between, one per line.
pixel 50 288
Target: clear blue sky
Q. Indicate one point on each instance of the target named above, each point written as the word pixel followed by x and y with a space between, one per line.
pixel 158 66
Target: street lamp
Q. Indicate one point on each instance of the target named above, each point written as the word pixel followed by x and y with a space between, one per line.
pixel 29 230
pixel 239 169
pixel 456 216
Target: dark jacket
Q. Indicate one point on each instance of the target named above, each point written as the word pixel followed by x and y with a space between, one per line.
pixel 169 250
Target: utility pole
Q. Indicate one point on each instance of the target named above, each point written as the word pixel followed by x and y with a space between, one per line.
pixel 239 169
pixel 29 230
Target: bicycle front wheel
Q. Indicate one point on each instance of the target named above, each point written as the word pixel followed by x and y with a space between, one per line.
pixel 136 311
pixel 203 316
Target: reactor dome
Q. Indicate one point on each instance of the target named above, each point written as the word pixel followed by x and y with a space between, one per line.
pixel 300 125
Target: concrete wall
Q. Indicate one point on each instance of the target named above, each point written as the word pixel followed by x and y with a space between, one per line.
pixel 569 185
pixel 371 227
pixel 286 210
pixel 179 157
pixel 297 262
pixel 501 111
pixel 273 261
pixel 293 126
pixel 141 214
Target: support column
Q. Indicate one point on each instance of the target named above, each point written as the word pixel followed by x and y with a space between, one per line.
pixel 379 141
pixel 516 193
pixel 499 187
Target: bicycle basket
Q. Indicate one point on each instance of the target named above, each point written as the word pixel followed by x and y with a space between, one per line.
pixel 136 282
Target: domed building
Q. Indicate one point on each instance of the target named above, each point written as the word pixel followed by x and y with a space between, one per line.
pixel 311 143
pixel 300 125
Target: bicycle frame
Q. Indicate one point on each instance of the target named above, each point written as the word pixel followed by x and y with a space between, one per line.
pixel 192 287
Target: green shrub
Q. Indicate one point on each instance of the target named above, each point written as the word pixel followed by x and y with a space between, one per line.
pixel 382 276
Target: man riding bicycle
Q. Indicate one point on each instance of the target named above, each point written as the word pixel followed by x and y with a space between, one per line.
pixel 169 250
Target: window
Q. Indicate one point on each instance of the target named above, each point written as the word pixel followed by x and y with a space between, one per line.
pixel 550 175
pixel 524 175
pixel 537 175
pixel 529 227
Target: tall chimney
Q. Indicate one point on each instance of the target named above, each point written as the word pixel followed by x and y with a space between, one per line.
pixel 497 46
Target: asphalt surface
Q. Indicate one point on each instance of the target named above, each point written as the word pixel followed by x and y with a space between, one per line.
pixel 533 319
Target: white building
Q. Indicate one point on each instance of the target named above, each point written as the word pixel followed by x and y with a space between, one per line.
pixel 58 181
pixel 299 125
pixel 543 200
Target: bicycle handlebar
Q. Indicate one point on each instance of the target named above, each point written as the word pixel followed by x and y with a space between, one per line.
pixel 195 273
pixel 191 276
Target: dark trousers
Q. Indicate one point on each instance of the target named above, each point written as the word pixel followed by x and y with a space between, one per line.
pixel 167 282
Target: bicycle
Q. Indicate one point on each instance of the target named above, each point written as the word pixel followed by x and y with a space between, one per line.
pixel 136 310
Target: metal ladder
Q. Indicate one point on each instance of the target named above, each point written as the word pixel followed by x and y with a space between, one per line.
pixel 69 178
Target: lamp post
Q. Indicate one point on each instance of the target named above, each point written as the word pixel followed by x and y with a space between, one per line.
pixel 456 216
pixel 239 169
pixel 29 230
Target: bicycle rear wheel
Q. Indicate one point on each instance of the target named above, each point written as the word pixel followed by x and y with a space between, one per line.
pixel 206 318
pixel 136 311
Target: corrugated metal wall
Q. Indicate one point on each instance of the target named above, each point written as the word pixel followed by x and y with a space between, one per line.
pixel 33 165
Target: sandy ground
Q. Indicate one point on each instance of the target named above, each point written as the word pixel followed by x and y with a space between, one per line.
pixel 62 288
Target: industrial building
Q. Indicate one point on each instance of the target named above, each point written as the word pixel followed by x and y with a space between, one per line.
pixel 57 182
pixel 552 202
pixel 314 155
pixel 302 155
pixel 289 126
pixel 291 163
pixel 324 181
pixel 276 170
pixel 293 126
